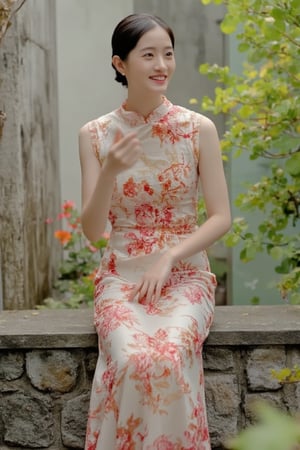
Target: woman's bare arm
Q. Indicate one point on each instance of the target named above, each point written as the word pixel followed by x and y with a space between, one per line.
pixel 97 182
pixel 215 194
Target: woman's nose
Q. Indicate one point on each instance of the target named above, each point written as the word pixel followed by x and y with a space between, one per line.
pixel 160 63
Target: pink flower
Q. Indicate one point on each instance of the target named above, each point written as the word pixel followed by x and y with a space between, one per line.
pixel 74 223
pixel 69 204
pixel 63 215
pixel 49 220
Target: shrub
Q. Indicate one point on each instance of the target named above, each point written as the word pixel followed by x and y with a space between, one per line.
pixel 75 284
pixel 262 107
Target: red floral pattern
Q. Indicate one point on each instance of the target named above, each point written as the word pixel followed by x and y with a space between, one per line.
pixel 148 388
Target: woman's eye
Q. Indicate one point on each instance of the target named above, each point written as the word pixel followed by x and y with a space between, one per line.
pixel 148 55
pixel 169 54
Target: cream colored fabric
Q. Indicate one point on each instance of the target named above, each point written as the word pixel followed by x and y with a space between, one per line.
pixel 148 389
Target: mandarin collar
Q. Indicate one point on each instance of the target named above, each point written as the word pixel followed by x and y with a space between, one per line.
pixel 134 118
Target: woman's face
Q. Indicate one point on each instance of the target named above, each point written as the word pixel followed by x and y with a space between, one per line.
pixel 151 64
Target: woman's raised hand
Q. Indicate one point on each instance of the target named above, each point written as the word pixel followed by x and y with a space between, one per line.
pixel 123 154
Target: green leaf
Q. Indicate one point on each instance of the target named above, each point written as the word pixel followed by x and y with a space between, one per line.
pixel 295 298
pixel 255 300
pixel 245 111
pixel 232 239
pixel 276 252
pixel 284 267
pixel 243 47
pixel 281 375
pixel 248 253
pixel 229 24
pixel 278 13
pixel 293 165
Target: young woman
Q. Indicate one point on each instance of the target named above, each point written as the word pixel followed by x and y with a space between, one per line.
pixel 142 166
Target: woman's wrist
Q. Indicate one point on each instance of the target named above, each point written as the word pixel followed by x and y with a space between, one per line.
pixel 172 255
pixel 107 173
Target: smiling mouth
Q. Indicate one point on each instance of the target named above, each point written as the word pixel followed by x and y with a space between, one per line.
pixel 159 77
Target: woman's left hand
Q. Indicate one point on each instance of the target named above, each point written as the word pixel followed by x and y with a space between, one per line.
pixel 153 280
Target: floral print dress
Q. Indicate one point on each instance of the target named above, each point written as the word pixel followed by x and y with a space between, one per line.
pixel 148 388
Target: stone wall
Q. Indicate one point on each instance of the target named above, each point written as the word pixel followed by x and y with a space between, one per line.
pixel 47 360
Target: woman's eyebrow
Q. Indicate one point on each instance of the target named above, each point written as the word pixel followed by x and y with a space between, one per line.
pixel 169 47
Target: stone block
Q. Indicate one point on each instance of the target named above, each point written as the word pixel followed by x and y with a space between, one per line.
pixel 260 363
pixel 27 420
pixel 297 398
pixel 294 356
pixel 272 398
pixel 52 370
pixel 90 363
pixel 11 365
pixel 218 358
pixel 292 390
pixel 291 395
pixel 222 399
pixel 74 420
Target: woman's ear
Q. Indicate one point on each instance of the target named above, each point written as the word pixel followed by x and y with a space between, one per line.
pixel 118 64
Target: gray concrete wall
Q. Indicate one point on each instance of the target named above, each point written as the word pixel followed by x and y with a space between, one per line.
pixel 47 361
pixel 29 172
pixel 86 86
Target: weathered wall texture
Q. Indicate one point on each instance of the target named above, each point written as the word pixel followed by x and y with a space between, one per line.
pixel 45 393
pixel 29 176
pixel 45 378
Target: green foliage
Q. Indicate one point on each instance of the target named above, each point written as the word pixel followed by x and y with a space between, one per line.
pixel 262 107
pixel 287 375
pixel 74 287
pixel 275 431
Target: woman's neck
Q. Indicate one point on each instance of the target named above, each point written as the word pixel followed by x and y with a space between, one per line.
pixel 143 105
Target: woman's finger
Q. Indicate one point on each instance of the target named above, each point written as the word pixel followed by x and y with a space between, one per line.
pixel 158 291
pixel 150 291
pixel 134 292
pixel 125 140
pixel 118 136
pixel 143 290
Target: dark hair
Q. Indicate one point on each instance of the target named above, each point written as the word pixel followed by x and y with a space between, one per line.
pixel 129 31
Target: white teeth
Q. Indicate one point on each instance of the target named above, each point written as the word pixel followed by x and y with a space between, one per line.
pixel 158 78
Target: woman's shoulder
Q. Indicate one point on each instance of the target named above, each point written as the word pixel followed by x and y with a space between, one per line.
pixel 99 124
pixel 98 133
pixel 191 114
pixel 185 115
